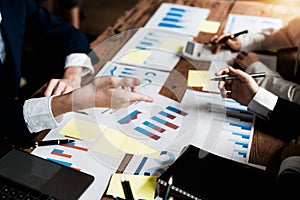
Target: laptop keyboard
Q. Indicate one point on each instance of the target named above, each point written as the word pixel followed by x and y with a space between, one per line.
pixel 14 191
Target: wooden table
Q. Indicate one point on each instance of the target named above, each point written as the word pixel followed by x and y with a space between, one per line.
pixel 264 146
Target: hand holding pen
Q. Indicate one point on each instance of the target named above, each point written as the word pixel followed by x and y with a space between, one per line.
pixel 237 84
pixel 229 40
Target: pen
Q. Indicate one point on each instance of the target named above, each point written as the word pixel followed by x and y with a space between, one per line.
pixel 170 182
pixel 126 188
pixel 227 77
pixel 47 143
pixel 231 36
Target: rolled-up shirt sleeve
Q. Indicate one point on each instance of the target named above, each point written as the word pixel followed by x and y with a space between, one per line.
pixel 38 115
pixel 82 60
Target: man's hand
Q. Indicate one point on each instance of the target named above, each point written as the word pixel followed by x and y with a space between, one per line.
pixel 245 59
pixel 70 81
pixel 242 89
pixel 233 44
pixel 106 91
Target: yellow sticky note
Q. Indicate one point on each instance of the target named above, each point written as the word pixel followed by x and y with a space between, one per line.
pixel 173 45
pixel 199 78
pixel 136 56
pixel 209 26
pixel 114 142
pixel 81 129
pixel 143 187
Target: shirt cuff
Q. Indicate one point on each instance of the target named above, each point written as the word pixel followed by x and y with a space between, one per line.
pixel 263 102
pixel 38 115
pixel 82 60
pixel 290 163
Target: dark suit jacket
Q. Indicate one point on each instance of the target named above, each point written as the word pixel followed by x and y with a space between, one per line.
pixel 283 121
pixel 22 18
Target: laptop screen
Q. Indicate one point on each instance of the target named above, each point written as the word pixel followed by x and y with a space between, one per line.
pixel 43 175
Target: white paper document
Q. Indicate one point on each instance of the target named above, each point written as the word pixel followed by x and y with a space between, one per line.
pixel 178 18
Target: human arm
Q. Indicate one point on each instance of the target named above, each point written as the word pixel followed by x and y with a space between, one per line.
pixel 275 83
pixel 64 43
pixel 277 112
pixel 107 91
pixel 269 39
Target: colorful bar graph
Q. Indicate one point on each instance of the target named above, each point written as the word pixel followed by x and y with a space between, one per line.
pixel 73 146
pixel 242 126
pixel 59 152
pixel 129 118
pixel 173 109
pixel 164 122
pixel 177 9
pixel 242 144
pixel 231 123
pixel 147 133
pixel 240 153
pixel 168 115
pixel 153 126
pixel 169 25
pixel 243 135
pixel 174 14
pixel 68 164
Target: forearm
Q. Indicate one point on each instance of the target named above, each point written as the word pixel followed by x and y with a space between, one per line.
pixel 273 39
pixel 61 104
pixel 73 73
pixel 78 99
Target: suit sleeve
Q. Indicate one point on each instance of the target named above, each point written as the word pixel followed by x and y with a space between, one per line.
pixel 13 126
pixel 41 23
pixel 283 120
pixel 275 83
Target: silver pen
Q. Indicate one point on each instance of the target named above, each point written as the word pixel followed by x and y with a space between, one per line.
pixel 227 77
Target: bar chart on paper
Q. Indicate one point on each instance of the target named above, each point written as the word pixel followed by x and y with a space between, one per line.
pixel 152 48
pixel 231 128
pixel 139 165
pixel 179 18
pixel 155 122
pixel 147 77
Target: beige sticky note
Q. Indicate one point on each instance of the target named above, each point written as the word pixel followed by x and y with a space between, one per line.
pixel 114 142
pixel 136 56
pixel 209 26
pixel 81 129
pixel 143 187
pixel 110 143
pixel 199 78
pixel 173 45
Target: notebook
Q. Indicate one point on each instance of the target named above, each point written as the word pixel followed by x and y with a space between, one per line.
pixel 28 171
pixel 200 175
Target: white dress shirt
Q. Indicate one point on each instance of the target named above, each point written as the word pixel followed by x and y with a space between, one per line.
pixel 37 111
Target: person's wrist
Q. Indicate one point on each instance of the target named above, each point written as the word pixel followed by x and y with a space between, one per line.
pixel 73 74
pixel 61 104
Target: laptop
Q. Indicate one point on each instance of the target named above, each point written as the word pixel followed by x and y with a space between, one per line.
pixel 43 179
